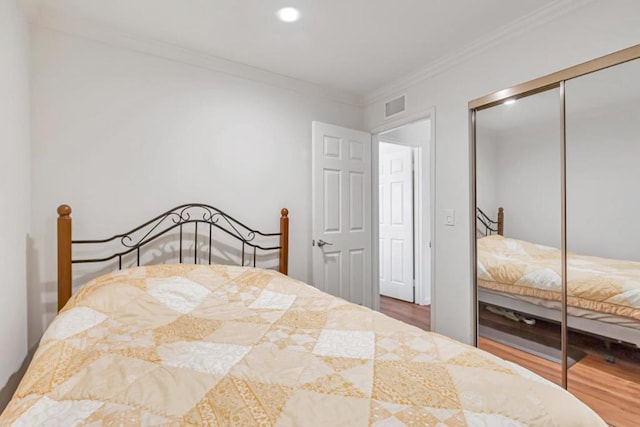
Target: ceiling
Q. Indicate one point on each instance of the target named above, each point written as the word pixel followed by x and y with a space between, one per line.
pixel 355 46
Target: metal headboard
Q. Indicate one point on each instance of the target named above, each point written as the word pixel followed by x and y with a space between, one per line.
pixel 135 239
pixel 491 227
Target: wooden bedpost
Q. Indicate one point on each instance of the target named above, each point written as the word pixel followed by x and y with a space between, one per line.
pixel 501 221
pixel 284 241
pixel 64 255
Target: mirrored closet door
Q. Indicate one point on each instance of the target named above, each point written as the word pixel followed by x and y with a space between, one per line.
pixel 518 230
pixel 557 220
pixel 603 237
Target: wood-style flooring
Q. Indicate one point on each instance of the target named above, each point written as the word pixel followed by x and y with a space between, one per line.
pixel 413 314
pixel 612 390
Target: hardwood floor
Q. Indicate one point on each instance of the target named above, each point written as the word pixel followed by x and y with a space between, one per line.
pixel 612 390
pixel 413 314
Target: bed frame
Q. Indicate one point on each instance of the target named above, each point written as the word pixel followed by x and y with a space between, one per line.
pixel 607 331
pixel 490 226
pixel 134 240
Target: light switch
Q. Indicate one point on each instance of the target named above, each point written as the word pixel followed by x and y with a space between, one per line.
pixel 449 217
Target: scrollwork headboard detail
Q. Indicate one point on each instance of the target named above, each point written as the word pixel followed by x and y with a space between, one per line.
pixel 491 226
pixel 135 239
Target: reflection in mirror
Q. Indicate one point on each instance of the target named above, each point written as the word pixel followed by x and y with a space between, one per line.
pixel 518 228
pixel 603 239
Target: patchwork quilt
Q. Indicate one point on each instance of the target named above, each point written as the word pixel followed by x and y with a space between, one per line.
pixel 523 268
pixel 217 345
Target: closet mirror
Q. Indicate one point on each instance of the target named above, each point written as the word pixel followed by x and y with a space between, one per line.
pixel 518 230
pixel 557 254
pixel 603 234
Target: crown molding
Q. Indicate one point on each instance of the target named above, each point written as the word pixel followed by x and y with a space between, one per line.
pixel 39 17
pixel 98 32
pixel 527 23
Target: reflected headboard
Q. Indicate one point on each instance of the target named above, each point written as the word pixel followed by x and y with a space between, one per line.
pixel 490 226
pixel 132 241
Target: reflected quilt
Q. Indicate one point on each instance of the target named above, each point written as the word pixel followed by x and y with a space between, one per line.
pixel 524 268
pixel 216 345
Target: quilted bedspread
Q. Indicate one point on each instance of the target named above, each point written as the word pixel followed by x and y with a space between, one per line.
pixel 524 268
pixel 218 345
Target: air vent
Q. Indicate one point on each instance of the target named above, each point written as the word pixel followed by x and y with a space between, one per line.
pixel 393 107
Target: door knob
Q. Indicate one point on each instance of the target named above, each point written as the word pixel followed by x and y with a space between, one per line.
pixel 321 243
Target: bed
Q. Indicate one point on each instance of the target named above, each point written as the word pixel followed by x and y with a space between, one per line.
pixel 207 344
pixel 602 294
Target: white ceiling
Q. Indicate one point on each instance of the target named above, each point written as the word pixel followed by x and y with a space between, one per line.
pixel 355 46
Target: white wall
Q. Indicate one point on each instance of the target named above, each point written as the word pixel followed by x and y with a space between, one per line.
pixel 603 181
pixel 523 175
pixel 529 183
pixel 486 172
pixel 121 136
pixel 594 30
pixel 14 193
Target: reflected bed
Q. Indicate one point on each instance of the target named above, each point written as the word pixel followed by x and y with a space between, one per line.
pixel 603 294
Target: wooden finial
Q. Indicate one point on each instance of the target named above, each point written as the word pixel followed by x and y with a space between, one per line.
pixel 64 211
pixel 284 241
pixel 64 255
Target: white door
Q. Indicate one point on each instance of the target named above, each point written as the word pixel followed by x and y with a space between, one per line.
pixel 396 221
pixel 341 212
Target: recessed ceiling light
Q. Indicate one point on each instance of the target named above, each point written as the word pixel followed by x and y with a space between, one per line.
pixel 509 101
pixel 288 14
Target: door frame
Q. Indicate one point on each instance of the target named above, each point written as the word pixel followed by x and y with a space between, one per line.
pixel 428 114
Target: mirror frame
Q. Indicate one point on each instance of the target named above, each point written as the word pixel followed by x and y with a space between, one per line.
pixel 522 90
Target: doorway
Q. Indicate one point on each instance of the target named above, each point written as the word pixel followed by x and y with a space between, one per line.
pixel 396 212
pixel 404 221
